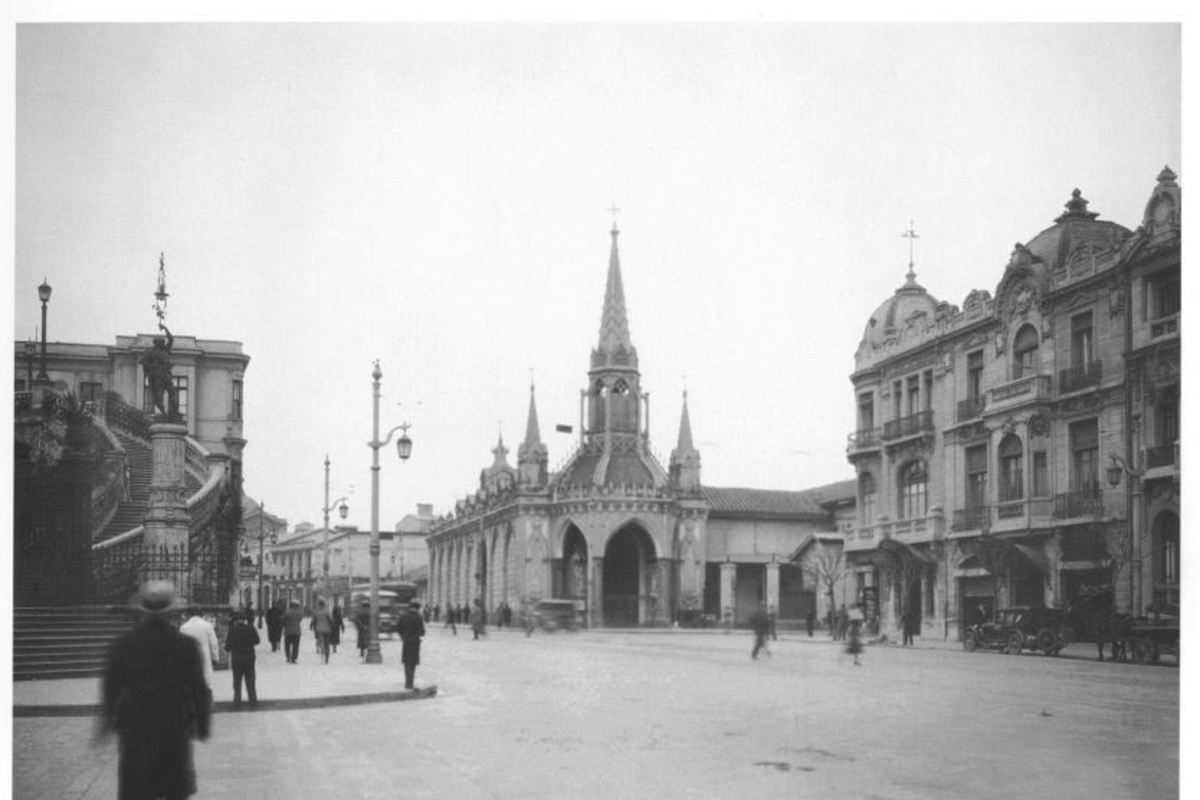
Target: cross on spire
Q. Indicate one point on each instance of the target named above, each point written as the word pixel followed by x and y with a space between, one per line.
pixel 614 211
pixel 910 234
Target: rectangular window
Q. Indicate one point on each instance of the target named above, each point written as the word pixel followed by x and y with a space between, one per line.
pixel 237 400
pixel 90 391
pixel 1012 477
pixel 1041 476
pixel 21 385
pixel 1085 452
pixel 927 403
pixel 1082 352
pixel 866 411
pixel 1166 419
pixel 898 399
pixel 977 474
pixel 975 375
pixel 868 509
pixel 1163 293
pixel 913 395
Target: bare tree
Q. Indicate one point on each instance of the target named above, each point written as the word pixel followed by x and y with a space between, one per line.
pixel 826 566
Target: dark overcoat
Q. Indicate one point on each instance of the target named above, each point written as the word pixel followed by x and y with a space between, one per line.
pixel 154 697
pixel 411 628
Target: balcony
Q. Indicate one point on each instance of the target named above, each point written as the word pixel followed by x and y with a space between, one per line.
pixel 1015 514
pixel 972 519
pixel 1082 503
pixel 971 408
pixel 909 531
pixel 864 439
pixel 1029 389
pixel 1072 379
pixel 912 425
pixel 1164 326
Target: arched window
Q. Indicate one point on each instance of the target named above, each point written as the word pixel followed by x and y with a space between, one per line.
pixel 1012 469
pixel 866 485
pixel 1025 348
pixel 914 490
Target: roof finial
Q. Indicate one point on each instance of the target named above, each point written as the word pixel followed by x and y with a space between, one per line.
pixel 614 210
pixel 911 235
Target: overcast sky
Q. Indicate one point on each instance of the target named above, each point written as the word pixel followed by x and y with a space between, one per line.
pixel 435 195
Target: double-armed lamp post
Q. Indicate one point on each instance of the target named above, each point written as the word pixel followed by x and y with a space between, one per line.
pixel 343 510
pixel 404 450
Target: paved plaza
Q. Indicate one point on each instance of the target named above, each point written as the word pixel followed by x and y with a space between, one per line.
pixel 609 714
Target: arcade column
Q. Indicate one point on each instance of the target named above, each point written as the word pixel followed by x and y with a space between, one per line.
pixel 728 573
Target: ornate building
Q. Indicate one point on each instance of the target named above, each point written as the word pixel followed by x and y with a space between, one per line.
pixel 631 541
pixel 1023 450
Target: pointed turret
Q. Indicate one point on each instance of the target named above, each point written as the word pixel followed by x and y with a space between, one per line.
pixel 532 456
pixel 615 346
pixel 685 459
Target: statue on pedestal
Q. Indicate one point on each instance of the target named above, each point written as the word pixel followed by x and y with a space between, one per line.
pixel 157 364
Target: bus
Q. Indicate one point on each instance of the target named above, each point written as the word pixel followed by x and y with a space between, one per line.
pixel 394 597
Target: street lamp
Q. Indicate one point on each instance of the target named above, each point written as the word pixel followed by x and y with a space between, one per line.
pixel 343 510
pixel 404 450
pixel 44 296
pixel 263 536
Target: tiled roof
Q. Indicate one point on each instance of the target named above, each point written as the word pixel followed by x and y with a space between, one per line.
pixel 725 501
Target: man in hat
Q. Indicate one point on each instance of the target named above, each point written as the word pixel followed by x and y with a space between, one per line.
pixel 411 628
pixel 154 697
pixel 293 618
pixel 240 642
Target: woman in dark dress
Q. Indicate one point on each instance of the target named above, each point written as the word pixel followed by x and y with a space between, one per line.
pixel 339 625
pixel 854 646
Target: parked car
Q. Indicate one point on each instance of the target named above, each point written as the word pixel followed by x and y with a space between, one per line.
pixel 1019 628
pixel 552 615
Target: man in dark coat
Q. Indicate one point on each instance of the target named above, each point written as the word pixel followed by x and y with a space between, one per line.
pixel 292 619
pixel 761 626
pixel 411 628
pixel 153 696
pixel 240 642
pixel 274 625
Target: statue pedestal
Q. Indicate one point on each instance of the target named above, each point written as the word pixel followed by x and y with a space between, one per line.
pixel 166 522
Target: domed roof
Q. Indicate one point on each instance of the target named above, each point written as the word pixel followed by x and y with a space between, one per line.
pixel 910 302
pixel 1074 227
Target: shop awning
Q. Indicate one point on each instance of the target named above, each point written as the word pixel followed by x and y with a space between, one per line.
pixel 905 550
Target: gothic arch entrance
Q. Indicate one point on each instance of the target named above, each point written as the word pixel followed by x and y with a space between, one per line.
pixel 572 577
pixel 629 565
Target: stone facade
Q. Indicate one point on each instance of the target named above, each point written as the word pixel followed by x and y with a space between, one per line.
pixel 986 434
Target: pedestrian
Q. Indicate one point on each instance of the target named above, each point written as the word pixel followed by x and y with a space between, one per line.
pixel 761 625
pixel 906 627
pixel 843 620
pixel 202 631
pixel 275 624
pixel 411 628
pixel 478 620
pixel 339 626
pixel 322 625
pixel 451 620
pixel 772 620
pixel 240 641
pixel 810 620
pixel 153 697
pixel 854 623
pixel 362 621
pixel 293 618
pixel 727 619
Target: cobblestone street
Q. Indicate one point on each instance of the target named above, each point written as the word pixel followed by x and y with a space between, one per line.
pixel 677 715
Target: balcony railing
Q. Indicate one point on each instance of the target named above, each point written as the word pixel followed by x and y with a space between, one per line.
pixel 1166 594
pixel 863 439
pixel 971 519
pixel 1079 377
pixel 913 424
pixel 1030 387
pixel 1161 456
pixel 971 408
pixel 1009 509
pixel 1164 326
pixel 1082 503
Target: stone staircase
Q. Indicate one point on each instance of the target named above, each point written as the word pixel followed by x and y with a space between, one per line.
pixel 132 511
pixel 66 642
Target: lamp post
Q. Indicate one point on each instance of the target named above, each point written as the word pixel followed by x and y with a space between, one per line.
pixel 30 351
pixel 44 296
pixel 1116 469
pixel 404 450
pixel 262 537
pixel 343 510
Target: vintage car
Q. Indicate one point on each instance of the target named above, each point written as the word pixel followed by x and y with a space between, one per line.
pixel 553 615
pixel 1017 629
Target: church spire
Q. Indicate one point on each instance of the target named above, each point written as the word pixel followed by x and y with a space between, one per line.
pixel 532 455
pixel 685 459
pixel 614 323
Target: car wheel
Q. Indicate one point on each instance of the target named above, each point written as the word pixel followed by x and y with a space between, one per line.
pixel 1014 644
pixel 970 641
pixel 1047 642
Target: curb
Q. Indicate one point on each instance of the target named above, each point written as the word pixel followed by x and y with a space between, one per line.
pixel 227 706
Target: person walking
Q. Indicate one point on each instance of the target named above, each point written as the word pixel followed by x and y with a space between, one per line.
pixel 275 624
pixel 411 628
pixel 201 630
pixel 153 698
pixel 362 621
pixel 478 620
pixel 810 620
pixel 761 625
pixel 854 622
pixel 339 626
pixel 240 642
pixel 843 620
pixel 322 625
pixel 451 620
pixel 906 627
pixel 772 622
pixel 293 618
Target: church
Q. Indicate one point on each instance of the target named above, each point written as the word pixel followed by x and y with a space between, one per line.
pixel 633 542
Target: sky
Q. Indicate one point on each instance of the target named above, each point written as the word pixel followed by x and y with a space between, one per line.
pixel 436 195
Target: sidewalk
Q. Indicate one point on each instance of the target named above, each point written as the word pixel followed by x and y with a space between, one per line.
pixel 345 680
